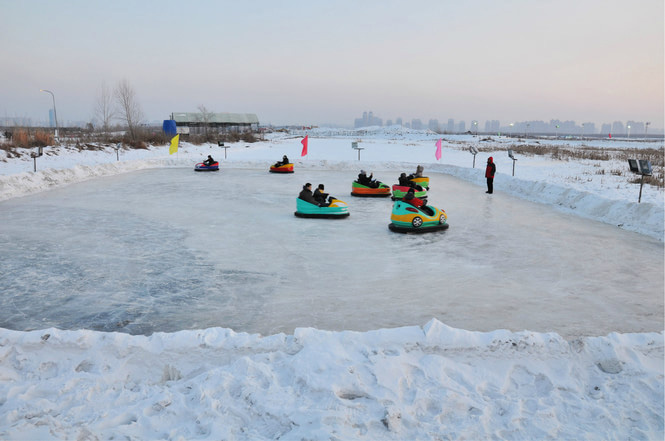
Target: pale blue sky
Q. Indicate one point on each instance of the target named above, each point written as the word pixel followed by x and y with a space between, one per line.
pixel 313 62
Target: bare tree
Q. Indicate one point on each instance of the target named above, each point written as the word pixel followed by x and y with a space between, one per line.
pixel 104 110
pixel 205 117
pixel 128 107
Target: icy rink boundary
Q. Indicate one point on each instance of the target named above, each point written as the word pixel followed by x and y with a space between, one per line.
pixel 431 382
pixel 643 218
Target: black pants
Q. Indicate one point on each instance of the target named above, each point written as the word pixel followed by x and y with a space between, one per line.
pixel 490 185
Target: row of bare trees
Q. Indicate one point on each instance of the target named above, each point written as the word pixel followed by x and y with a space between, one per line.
pixel 120 104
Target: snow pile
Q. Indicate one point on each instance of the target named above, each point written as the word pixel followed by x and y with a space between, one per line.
pixel 433 382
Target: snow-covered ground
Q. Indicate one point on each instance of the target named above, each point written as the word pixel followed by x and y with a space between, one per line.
pixel 426 381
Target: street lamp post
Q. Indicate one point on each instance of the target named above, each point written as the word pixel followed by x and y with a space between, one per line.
pixel 475 123
pixel 55 113
pixel 628 131
pixel 646 128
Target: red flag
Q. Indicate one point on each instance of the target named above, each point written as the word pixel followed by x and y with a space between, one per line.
pixel 610 136
pixel 304 146
pixel 438 150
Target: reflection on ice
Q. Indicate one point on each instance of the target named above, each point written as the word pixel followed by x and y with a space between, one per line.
pixel 169 249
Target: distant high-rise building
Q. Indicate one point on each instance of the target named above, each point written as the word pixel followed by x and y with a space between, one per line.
pixel 589 128
pixel 433 125
pixel 451 126
pixel 389 122
pixel 606 129
pixel 416 124
pixel 461 127
pixel 636 128
pixel 367 120
pixel 617 127
pixel 398 121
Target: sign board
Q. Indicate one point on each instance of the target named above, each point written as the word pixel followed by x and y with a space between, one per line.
pixel 220 143
pixel 645 167
pixel 510 154
pixel 634 166
pixel 182 130
pixel 640 166
pixel 354 145
pixel 473 150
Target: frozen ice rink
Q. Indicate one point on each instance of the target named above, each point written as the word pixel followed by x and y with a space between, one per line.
pixel 169 249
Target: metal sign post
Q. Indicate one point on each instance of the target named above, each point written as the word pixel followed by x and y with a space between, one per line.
pixel 117 149
pixel 354 145
pixel 225 147
pixel 643 168
pixel 474 152
pixel 511 156
pixel 34 156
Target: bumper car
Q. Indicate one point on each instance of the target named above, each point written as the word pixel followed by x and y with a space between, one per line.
pixel 203 167
pixel 423 181
pixel 400 190
pixel 336 210
pixel 286 168
pixel 360 190
pixel 406 218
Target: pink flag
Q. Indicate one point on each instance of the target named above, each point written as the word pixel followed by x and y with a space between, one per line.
pixel 304 146
pixel 438 150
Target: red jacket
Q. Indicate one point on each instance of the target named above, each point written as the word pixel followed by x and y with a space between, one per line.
pixel 416 202
pixel 491 168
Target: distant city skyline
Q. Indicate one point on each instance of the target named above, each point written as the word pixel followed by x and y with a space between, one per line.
pixel 636 128
pixel 313 63
pixel 617 128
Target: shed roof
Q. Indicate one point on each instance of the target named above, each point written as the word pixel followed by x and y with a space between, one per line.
pixel 219 118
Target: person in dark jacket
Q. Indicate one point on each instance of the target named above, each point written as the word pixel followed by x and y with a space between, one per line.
pixel 405 181
pixel 209 161
pixel 284 161
pixel 489 174
pixel 306 194
pixel 320 196
pixel 365 180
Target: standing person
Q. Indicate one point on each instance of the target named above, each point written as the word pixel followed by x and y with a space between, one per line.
pixel 489 174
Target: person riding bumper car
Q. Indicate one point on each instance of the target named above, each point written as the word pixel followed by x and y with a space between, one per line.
pixel 407 218
pixel 335 210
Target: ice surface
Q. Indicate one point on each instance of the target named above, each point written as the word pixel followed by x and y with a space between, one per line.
pixel 171 249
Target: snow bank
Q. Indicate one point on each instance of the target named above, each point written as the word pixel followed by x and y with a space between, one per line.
pixel 434 382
